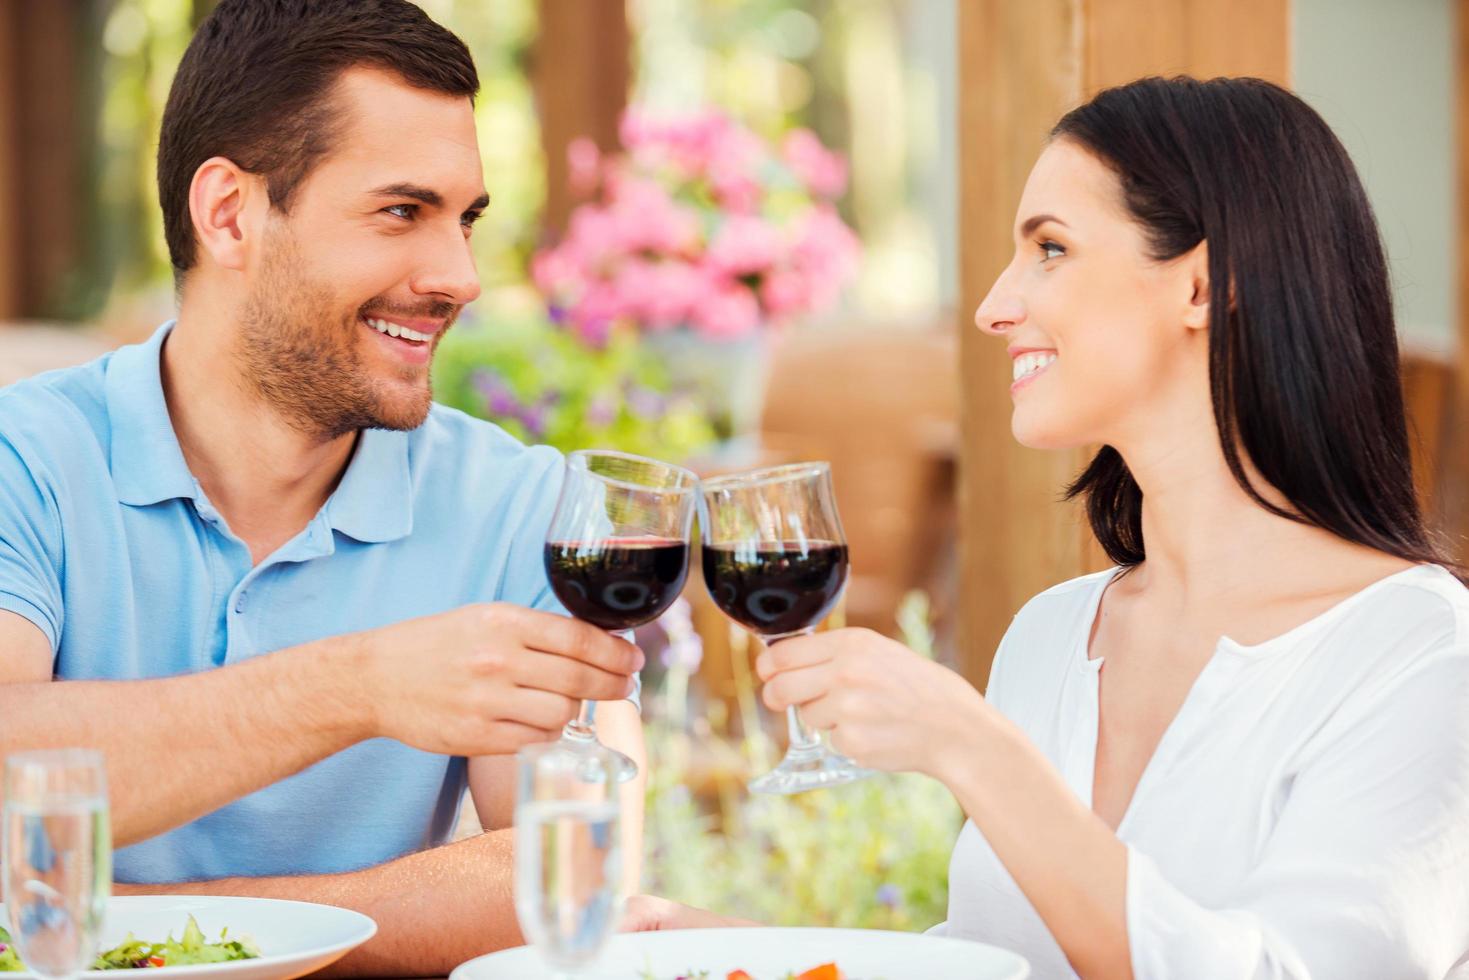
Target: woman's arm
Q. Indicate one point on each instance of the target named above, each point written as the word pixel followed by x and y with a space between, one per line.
pixel 891 709
pixel 1362 877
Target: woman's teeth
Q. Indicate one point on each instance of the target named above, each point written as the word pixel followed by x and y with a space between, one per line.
pixel 1027 364
pixel 394 330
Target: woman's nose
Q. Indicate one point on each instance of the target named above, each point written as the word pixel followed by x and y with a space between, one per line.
pixel 1001 311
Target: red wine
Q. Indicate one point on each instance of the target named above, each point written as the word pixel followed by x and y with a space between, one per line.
pixel 618 583
pixel 776 588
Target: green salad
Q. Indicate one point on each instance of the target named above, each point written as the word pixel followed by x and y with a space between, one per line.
pixel 135 954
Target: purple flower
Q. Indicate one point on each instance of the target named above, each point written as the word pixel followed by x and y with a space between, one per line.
pixel 602 411
pixel 645 403
pixel 889 896
pixel 499 399
pixel 534 420
pixel 685 648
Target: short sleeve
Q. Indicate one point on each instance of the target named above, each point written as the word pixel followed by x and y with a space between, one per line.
pixel 30 545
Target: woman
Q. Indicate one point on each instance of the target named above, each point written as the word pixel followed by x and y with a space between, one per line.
pixel 1244 752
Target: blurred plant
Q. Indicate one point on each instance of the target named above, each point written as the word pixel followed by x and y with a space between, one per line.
pixel 874 854
pixel 699 224
pixel 545 385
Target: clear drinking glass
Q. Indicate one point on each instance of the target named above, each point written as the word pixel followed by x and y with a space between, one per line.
pixel 775 561
pixel 57 858
pixel 568 852
pixel 617 552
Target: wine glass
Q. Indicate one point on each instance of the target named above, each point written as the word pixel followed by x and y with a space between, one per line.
pixel 568 852
pixel 775 561
pixel 57 858
pixel 617 552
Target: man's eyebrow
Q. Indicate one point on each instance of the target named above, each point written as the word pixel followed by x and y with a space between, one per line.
pixel 427 196
pixel 1029 225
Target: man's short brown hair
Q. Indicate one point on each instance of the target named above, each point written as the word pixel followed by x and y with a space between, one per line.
pixel 254 86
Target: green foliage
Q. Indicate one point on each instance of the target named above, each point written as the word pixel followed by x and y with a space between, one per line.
pixel 873 854
pixel 545 385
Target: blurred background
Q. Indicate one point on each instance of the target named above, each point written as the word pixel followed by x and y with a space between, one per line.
pixel 738 232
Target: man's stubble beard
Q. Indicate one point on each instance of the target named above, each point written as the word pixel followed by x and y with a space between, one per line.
pixel 311 372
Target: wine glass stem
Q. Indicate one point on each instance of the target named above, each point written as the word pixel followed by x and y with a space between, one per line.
pixel 802 738
pixel 582 726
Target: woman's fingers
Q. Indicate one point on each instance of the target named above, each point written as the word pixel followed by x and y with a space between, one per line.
pixel 800 651
pixel 797 686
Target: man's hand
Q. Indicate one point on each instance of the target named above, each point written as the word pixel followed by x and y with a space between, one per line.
pixel 649 913
pixel 488 679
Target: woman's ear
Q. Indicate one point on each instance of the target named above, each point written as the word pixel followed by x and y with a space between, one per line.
pixel 1196 265
pixel 220 200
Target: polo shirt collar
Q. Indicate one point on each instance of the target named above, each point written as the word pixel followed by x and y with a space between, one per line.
pixel 372 503
pixel 147 465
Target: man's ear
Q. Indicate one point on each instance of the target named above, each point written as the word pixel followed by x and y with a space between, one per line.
pixel 223 200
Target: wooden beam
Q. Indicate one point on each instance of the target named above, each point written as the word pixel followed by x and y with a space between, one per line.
pixel 11 227
pixel 581 70
pixel 1020 69
pixel 53 137
pixel 1022 65
pixel 1454 480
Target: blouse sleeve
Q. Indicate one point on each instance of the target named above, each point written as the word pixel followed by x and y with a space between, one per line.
pixel 1366 874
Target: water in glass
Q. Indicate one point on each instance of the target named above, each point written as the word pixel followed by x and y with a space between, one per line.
pixel 57 858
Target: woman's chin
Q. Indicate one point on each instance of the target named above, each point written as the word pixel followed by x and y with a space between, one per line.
pixel 1039 434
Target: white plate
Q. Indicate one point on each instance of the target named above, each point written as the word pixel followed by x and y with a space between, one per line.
pixel 295 938
pixel 768 954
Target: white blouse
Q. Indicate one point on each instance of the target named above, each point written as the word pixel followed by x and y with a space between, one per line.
pixel 1306 813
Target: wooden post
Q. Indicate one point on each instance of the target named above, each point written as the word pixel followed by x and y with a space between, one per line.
pixel 1022 65
pixel 1454 480
pixel 581 71
pixel 11 227
pixel 41 141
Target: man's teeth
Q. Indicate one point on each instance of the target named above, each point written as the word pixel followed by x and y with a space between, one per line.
pixel 394 330
pixel 1027 364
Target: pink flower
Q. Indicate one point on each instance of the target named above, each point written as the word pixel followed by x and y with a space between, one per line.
pixel 824 173
pixel 585 163
pixel 646 218
pixel 726 311
pixel 556 270
pixel 785 292
pixel 744 245
pixel 595 312
pixel 825 247
pixel 592 237
pixel 678 288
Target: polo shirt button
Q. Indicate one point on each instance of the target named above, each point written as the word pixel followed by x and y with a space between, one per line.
pixel 240 603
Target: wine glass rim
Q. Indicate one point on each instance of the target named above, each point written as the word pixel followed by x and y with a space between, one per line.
pixel 688 476
pixel 768 474
pixel 70 757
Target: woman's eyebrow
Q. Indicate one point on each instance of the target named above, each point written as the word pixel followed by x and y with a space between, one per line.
pixel 1030 224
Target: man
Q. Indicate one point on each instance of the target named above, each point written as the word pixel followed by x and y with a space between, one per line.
pixel 297 605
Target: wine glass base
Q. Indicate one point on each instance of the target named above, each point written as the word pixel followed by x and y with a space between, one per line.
pixel 810 769
pixel 624 768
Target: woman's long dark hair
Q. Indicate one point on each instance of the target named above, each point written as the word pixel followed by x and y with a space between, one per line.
pixel 1303 351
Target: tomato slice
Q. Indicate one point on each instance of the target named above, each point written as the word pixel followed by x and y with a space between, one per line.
pixel 739 975
pixel 826 971
pixel 156 961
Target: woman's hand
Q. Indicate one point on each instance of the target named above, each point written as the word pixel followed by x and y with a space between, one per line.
pixel 884 706
pixel 649 913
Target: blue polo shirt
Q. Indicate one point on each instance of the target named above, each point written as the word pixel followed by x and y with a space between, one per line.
pixel 108 544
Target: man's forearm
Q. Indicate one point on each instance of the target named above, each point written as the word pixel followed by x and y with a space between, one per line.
pixel 180 747
pixel 434 909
